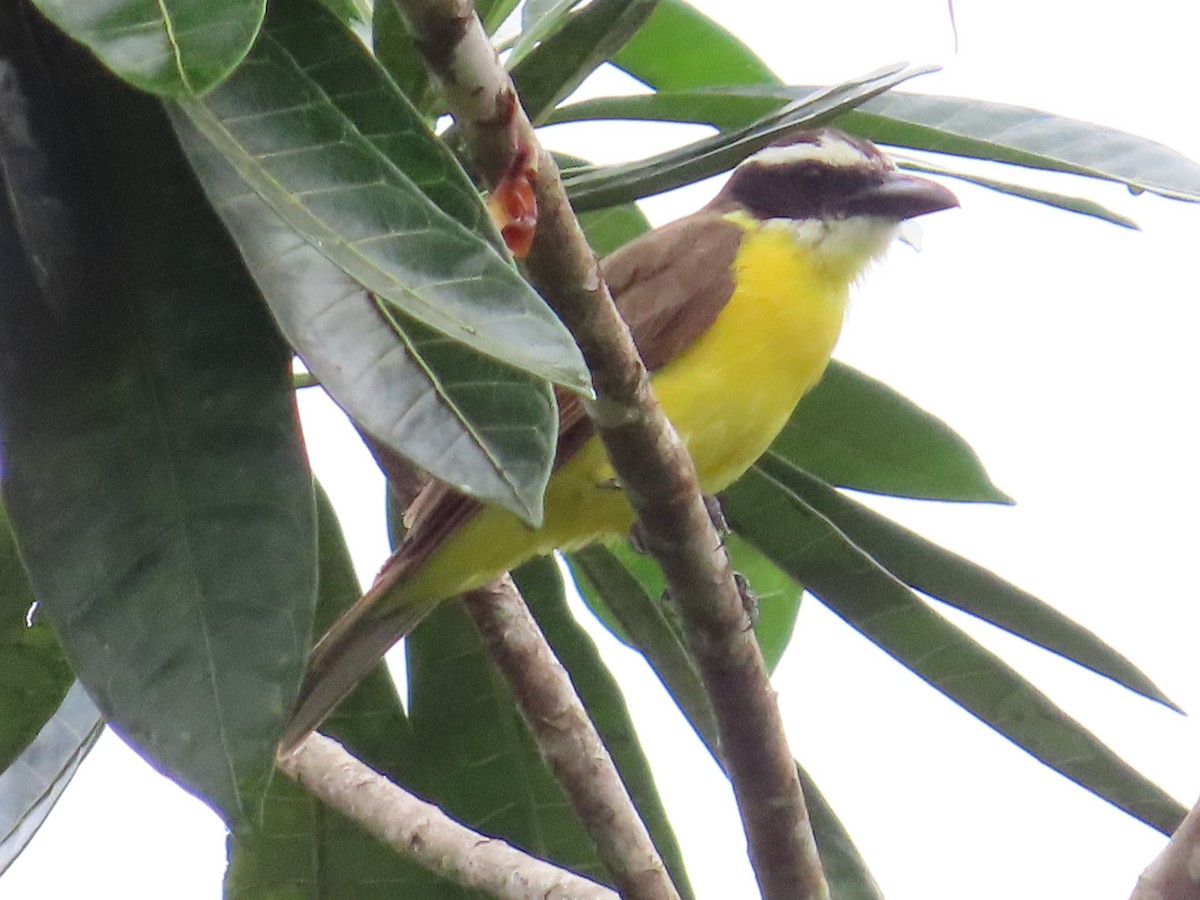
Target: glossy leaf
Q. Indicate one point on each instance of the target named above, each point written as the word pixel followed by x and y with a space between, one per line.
pixel 153 472
pixel 681 48
pixel 584 41
pixel 34 674
pixel 314 126
pixel 33 782
pixel 614 585
pixel 952 126
pixel 481 765
pixel 611 185
pixel 948 577
pixel 882 608
pixel 302 849
pixel 173 48
pixel 470 420
pixel 853 431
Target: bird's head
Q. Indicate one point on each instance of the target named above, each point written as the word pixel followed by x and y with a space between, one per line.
pixel 841 195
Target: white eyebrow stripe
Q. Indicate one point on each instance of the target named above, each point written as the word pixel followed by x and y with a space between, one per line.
pixel 835 153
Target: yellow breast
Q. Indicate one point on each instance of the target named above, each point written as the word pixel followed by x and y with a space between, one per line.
pixel 729 394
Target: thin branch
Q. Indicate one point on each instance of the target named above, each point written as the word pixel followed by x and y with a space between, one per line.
pixel 645 451
pixel 422 832
pixel 1175 872
pixel 567 739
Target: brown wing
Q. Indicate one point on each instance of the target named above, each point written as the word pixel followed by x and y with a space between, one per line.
pixel 665 313
pixel 664 310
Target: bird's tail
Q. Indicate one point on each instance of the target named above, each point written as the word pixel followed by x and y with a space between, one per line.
pixel 347 652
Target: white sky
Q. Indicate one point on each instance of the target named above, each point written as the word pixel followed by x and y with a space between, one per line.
pixel 1060 347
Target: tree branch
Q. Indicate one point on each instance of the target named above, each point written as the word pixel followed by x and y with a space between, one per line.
pixel 1175 872
pixel 422 832
pixel 645 451
pixel 567 740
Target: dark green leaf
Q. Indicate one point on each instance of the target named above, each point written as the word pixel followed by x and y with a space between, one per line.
pixel 539 20
pixel 607 229
pixel 1081 205
pixel 153 472
pixel 481 765
pixel 34 675
pixel 494 13
pixel 316 128
pixel 624 590
pixel 398 54
pixel 467 419
pixel 722 108
pixel 1026 137
pixel 610 185
pixel 169 47
pixel 556 67
pixel 845 869
pixel 882 608
pixel 355 14
pixel 681 48
pixel 477 761
pixel 31 785
pixel 853 431
pixel 615 587
pixel 954 126
pixel 777 596
pixel 961 583
pixel 302 849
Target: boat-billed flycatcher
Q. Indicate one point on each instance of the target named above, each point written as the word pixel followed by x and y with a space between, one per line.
pixel 735 310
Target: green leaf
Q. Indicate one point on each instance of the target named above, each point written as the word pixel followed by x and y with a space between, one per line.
pixel 173 48
pixel 948 577
pixel 556 67
pixel 301 848
pixel 1080 205
pixel 494 13
pixel 1026 137
pixel 34 674
pixel 539 20
pixel 845 869
pixel 772 517
pixel 316 128
pixel 952 126
pixel 474 422
pixel 480 764
pixel 609 185
pixel 624 590
pixel 398 54
pixel 608 229
pixel 776 593
pixel 32 783
pixel 853 431
pixel 614 585
pixel 680 48
pixel 354 13
pixel 153 473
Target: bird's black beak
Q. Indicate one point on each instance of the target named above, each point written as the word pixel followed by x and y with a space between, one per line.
pixel 900 196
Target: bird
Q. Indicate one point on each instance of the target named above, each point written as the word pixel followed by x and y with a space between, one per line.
pixel 735 310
